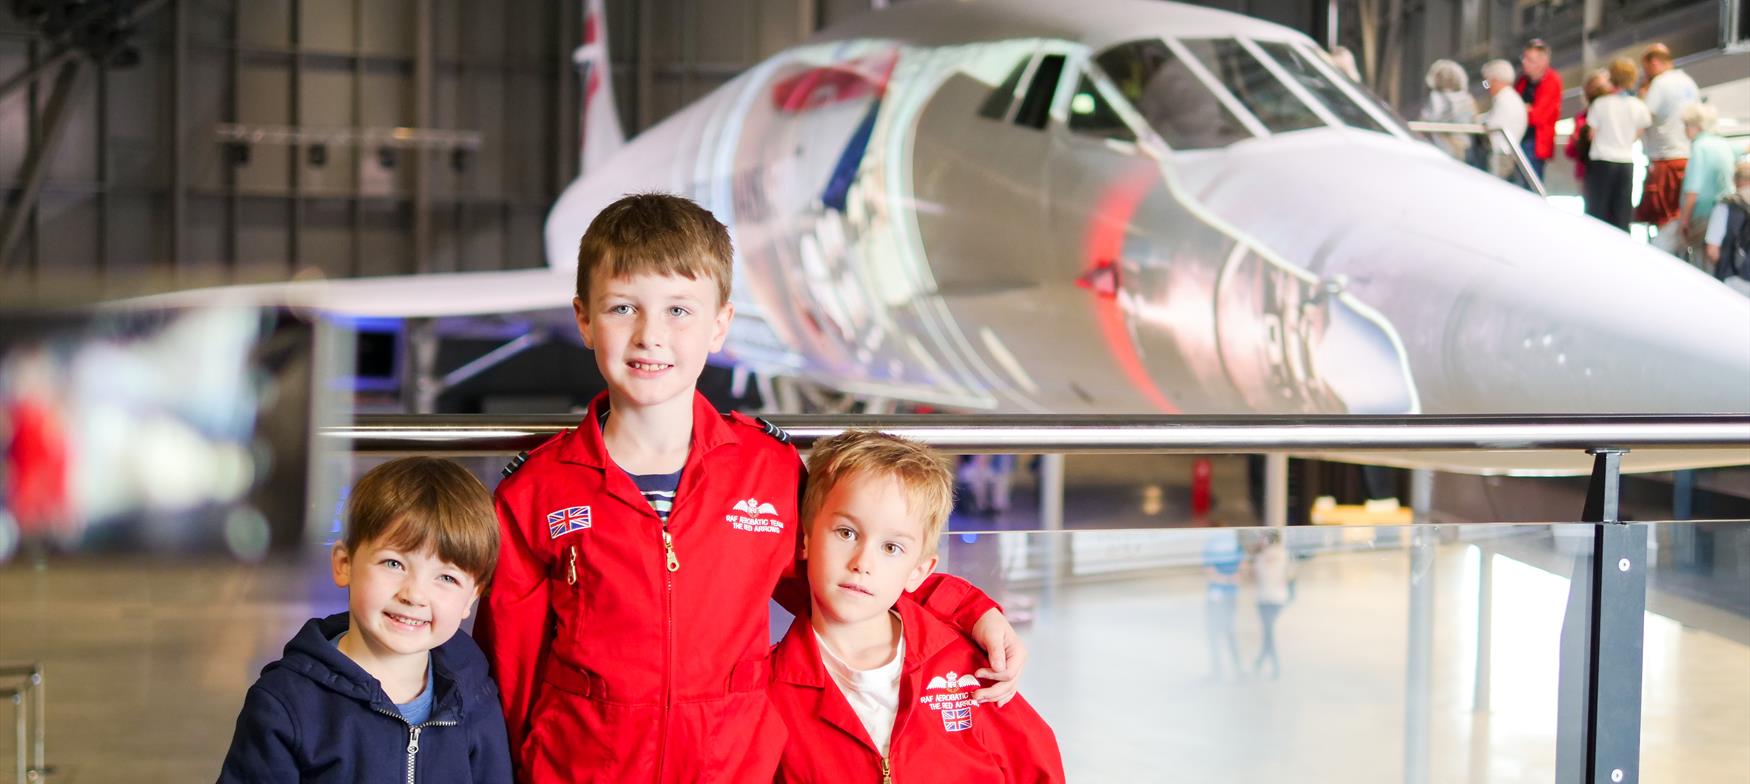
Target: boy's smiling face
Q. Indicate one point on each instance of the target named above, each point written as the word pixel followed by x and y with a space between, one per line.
pixel 402 603
pixel 865 546
pixel 651 333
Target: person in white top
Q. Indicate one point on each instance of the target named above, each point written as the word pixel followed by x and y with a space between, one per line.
pixel 1667 91
pixel 1506 112
pixel 1270 566
pixel 1617 121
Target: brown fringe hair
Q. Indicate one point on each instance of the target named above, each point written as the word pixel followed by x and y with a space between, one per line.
pixel 419 503
pixel 655 233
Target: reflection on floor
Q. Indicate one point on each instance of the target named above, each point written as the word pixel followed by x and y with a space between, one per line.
pixel 1132 697
pixel 147 665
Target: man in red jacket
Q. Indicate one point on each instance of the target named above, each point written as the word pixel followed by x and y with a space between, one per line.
pixel 627 623
pixel 1541 88
pixel 874 689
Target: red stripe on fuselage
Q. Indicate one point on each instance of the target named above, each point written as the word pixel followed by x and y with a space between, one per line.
pixel 1110 220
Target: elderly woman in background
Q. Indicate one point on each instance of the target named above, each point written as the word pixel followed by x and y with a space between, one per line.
pixel 1579 147
pixel 1707 177
pixel 1506 113
pixel 1450 101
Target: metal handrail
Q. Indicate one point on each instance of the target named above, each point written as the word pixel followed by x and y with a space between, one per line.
pixel 483 434
pixel 1478 129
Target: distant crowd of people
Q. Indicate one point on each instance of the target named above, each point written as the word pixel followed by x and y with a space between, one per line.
pixel 1696 191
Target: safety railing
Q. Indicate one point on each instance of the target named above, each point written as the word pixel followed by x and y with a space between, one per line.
pixel 1520 163
pixel 25 687
pixel 471 434
pixel 1607 596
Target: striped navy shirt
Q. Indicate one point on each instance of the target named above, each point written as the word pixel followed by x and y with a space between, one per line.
pixel 658 490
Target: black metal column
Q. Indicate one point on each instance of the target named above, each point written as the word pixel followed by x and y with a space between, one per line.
pixel 1618 630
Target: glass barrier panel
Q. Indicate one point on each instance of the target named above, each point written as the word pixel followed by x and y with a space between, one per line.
pixel 1225 654
pixel 1317 653
pixel 1695 687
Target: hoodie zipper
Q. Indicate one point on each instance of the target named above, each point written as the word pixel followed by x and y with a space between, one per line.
pixel 672 565
pixel 886 772
pixel 413 737
pixel 412 751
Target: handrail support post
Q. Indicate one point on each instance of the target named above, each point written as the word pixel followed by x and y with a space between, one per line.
pixel 1612 730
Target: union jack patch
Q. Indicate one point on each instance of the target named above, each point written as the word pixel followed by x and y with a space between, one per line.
pixel 566 520
pixel 957 719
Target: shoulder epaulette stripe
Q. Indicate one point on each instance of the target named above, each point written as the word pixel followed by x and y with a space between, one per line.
pixel 773 430
pixel 515 463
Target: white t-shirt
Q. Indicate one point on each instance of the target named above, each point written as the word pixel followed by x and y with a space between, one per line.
pixel 1615 120
pixel 1667 94
pixel 873 694
pixel 1507 112
pixel 1271 568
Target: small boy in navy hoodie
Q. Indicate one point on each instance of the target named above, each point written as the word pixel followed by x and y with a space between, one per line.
pixel 388 691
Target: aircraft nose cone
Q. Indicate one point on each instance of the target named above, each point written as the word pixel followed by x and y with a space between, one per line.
pixel 1602 326
pixel 1500 301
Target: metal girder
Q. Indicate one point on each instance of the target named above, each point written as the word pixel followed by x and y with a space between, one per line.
pixel 36 163
pixel 42 69
pixel 68 52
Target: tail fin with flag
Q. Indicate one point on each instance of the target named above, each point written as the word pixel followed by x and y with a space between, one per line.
pixel 599 132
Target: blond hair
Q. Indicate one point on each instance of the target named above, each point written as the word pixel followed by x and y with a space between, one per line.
pixel 1623 73
pixel 419 503
pixel 656 233
pixel 922 473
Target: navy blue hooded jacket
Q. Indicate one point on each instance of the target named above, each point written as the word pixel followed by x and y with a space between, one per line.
pixel 316 716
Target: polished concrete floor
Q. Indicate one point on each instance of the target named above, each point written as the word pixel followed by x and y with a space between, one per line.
pixel 148 661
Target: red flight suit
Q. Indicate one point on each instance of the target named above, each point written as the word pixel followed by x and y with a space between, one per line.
pixel 939 734
pixel 1542 111
pixel 629 651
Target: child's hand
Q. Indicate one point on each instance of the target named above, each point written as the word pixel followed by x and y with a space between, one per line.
pixel 1007 654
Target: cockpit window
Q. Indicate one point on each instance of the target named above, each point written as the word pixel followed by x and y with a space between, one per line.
pixel 997 105
pixel 1339 102
pixel 1036 107
pixel 1170 97
pixel 1091 114
pixel 1385 109
pixel 1266 98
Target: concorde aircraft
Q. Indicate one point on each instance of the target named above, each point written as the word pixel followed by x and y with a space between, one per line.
pixel 1124 206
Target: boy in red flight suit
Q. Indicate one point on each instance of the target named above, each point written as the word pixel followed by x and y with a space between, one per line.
pixel 627 622
pixel 873 688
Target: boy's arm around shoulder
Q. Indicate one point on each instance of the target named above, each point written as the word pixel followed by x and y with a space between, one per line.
pixel 263 747
pixel 1024 742
pixel 954 600
pixel 512 628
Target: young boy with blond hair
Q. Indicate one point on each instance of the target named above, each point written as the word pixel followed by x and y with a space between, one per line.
pixel 627 625
pixel 872 688
pixel 388 690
